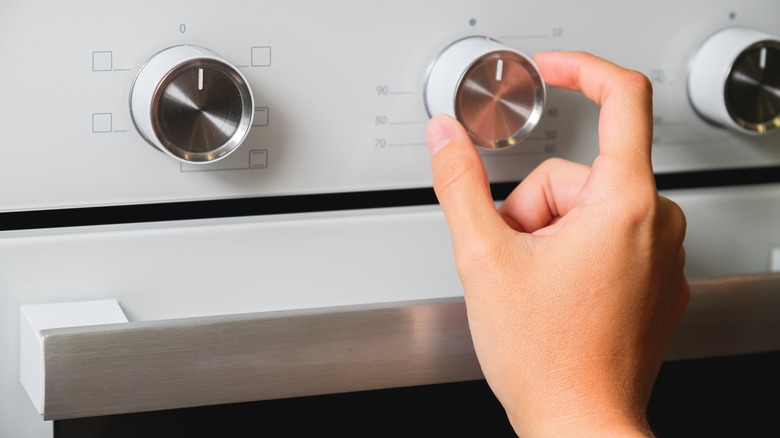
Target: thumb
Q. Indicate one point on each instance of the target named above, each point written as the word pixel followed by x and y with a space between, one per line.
pixel 461 182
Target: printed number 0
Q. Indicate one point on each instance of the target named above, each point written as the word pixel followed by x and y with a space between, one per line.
pixel 182 28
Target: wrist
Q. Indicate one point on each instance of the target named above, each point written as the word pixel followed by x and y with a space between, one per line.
pixel 601 425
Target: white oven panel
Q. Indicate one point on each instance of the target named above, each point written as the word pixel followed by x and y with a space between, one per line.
pixel 338 92
pixel 316 97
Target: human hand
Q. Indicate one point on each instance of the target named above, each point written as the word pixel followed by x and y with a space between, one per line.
pixel 575 284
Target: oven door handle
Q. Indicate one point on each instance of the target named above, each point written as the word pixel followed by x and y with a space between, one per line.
pixel 144 366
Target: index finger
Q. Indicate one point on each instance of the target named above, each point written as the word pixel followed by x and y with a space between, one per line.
pixel 625 97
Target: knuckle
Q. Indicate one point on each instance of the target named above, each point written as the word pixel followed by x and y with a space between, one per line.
pixel 639 82
pixel 480 255
pixel 672 217
pixel 553 162
pixel 633 83
pixel 640 203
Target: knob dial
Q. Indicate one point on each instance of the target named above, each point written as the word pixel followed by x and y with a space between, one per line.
pixel 191 104
pixel 734 80
pixel 496 92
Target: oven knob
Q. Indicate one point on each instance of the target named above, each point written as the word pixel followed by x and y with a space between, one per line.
pixel 191 104
pixel 734 80
pixel 496 92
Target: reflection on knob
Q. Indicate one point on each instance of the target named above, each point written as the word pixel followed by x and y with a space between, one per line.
pixel 496 92
pixel 734 80
pixel 191 104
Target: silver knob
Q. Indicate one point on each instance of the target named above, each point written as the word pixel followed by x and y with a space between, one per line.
pixel 734 80
pixel 496 92
pixel 191 104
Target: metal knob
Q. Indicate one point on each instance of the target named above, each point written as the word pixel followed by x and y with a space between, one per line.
pixel 496 92
pixel 734 80
pixel 191 104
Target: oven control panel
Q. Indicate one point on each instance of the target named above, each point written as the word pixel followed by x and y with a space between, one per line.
pixel 153 102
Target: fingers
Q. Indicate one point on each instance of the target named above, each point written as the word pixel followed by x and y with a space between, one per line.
pixel 460 181
pixel 625 97
pixel 624 161
pixel 549 192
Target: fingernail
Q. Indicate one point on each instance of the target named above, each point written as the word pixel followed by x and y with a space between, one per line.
pixel 440 133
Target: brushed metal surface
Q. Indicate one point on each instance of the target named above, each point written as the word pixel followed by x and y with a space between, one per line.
pixel 199 107
pixel 500 99
pixel 752 90
pixel 144 366
pixel 728 316
pixel 188 102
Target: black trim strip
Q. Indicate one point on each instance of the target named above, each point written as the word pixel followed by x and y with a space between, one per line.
pixel 718 178
pixel 125 214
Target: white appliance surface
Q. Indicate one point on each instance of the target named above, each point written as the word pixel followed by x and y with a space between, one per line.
pixel 338 94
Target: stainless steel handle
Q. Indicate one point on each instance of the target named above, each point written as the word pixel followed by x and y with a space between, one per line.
pixel 142 366
pixel 728 316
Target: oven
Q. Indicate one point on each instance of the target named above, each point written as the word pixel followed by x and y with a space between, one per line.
pixel 226 207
